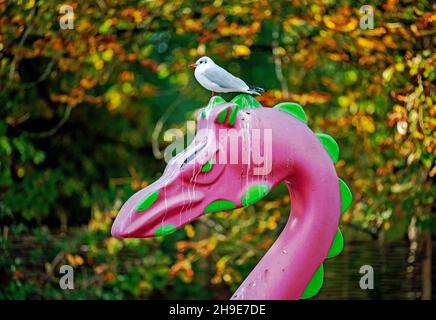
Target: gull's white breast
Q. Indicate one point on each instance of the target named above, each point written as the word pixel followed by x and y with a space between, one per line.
pixel 205 82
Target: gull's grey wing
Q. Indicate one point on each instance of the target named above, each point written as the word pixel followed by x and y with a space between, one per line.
pixel 224 79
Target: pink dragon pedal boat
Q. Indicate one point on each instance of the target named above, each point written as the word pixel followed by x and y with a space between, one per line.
pixel 215 173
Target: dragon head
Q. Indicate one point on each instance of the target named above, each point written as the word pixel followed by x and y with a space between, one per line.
pixel 225 167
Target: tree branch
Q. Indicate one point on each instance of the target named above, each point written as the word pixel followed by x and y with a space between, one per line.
pixel 278 64
pixel 52 131
pixel 374 233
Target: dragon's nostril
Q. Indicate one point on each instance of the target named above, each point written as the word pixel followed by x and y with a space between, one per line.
pixel 147 201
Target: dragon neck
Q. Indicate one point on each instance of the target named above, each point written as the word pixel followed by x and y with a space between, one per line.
pixel 289 265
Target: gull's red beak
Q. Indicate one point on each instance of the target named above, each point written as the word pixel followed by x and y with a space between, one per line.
pixel 194 65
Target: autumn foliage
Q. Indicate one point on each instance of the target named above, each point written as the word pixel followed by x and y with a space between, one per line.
pixel 83 112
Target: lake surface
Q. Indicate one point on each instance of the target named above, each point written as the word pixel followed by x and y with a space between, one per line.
pixel 397 271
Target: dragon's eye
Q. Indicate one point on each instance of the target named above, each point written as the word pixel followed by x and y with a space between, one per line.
pixel 191 157
pixel 207 166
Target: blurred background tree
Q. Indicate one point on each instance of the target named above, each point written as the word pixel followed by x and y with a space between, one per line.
pixel 83 112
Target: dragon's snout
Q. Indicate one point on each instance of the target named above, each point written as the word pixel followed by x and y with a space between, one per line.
pixel 151 213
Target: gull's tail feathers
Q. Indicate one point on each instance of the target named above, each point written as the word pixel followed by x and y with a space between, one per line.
pixel 255 90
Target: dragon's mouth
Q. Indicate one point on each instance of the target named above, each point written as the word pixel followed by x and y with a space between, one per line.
pixel 163 216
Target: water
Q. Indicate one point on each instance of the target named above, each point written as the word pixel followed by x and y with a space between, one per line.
pixel 397 271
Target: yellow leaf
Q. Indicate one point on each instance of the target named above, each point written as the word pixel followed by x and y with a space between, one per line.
pixel 365 43
pixel 241 51
pixel 329 22
pixel 192 25
pixel 388 73
pixel 99 64
pixel 74 260
pixel 190 231
pixel 222 262
pixel 107 55
pixel 281 51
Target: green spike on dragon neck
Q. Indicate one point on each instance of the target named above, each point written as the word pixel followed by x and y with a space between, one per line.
pixel 315 284
pixel 243 101
pixel 337 246
pixel 294 109
pixel 330 145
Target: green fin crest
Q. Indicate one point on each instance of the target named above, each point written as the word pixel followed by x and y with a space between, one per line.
pixel 330 144
pixel 346 196
pixel 294 109
pixel 337 245
pixel 232 116
pixel 315 284
pixel 245 101
pixel 222 116
pixel 213 102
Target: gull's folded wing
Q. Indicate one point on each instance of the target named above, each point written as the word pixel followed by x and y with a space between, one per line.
pixel 224 79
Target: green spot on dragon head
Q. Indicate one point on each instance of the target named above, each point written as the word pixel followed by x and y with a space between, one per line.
pixel 165 230
pixel 220 205
pixel 254 193
pixel 147 201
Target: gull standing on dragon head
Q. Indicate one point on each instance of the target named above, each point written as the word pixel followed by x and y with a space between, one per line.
pixel 216 79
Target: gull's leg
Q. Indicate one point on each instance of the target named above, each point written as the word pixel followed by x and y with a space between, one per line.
pixel 213 93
